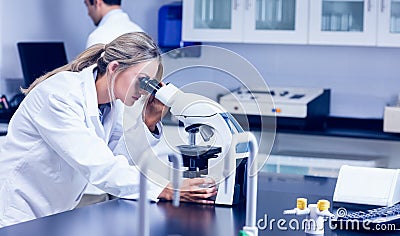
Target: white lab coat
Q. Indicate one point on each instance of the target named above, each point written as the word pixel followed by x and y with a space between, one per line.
pixel 115 23
pixel 56 144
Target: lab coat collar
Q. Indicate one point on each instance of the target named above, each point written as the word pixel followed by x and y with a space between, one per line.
pixel 89 89
pixel 108 15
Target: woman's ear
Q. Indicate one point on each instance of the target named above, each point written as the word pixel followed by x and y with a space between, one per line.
pixel 112 67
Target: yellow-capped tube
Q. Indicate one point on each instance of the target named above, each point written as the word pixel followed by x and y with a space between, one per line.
pixel 301 203
pixel 323 205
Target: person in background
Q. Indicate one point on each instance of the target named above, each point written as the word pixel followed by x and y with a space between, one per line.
pixel 110 21
pixel 58 142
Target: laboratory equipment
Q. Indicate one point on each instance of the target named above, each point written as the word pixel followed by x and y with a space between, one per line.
pixel 292 106
pixel 391 117
pixel 4 103
pixel 196 158
pixel 367 186
pixel 316 215
pixel 8 107
pixel 203 117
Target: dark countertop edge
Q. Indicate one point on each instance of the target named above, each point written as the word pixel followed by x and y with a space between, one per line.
pixel 330 126
pixel 348 133
pixel 345 127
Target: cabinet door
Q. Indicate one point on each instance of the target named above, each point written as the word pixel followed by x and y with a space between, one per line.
pixel 389 23
pixel 276 21
pixel 343 22
pixel 212 20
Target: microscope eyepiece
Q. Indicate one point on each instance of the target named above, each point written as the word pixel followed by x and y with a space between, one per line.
pixel 149 85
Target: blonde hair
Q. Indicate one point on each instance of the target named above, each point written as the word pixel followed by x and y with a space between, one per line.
pixel 128 49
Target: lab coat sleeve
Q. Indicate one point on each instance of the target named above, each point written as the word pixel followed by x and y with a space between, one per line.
pixel 134 130
pixel 127 147
pixel 62 125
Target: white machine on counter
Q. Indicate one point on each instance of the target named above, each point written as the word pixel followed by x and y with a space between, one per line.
pixel 211 130
pixel 367 186
pixel 391 117
pixel 289 103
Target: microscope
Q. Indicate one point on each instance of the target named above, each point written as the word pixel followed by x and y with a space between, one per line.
pixel 209 150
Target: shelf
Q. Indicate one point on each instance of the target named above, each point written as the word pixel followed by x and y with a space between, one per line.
pixel 331 126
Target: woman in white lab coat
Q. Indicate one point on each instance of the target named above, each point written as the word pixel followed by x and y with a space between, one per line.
pixel 57 142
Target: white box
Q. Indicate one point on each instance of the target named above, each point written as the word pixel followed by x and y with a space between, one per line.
pixel 391 119
pixel 367 186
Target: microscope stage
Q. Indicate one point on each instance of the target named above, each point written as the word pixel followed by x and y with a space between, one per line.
pixel 199 151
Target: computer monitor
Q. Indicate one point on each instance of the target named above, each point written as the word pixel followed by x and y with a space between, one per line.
pixel 38 58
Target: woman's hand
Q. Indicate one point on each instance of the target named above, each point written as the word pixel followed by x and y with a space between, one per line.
pixel 153 112
pixel 191 191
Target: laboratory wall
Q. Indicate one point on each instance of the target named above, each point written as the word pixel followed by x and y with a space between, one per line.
pixel 362 79
pixel 2 84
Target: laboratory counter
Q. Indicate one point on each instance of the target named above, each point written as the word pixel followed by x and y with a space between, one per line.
pixel 329 126
pixel 276 192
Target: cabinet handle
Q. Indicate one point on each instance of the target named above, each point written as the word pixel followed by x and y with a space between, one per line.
pixel 235 4
pixel 383 6
pixel 248 4
pixel 369 5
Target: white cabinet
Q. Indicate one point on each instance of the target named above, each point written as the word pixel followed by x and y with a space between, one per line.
pixel 343 22
pixel 389 23
pixel 355 22
pixel 253 21
pixel 327 22
pixel 275 21
pixel 212 20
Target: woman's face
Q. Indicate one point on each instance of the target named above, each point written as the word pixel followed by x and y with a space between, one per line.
pixel 126 87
